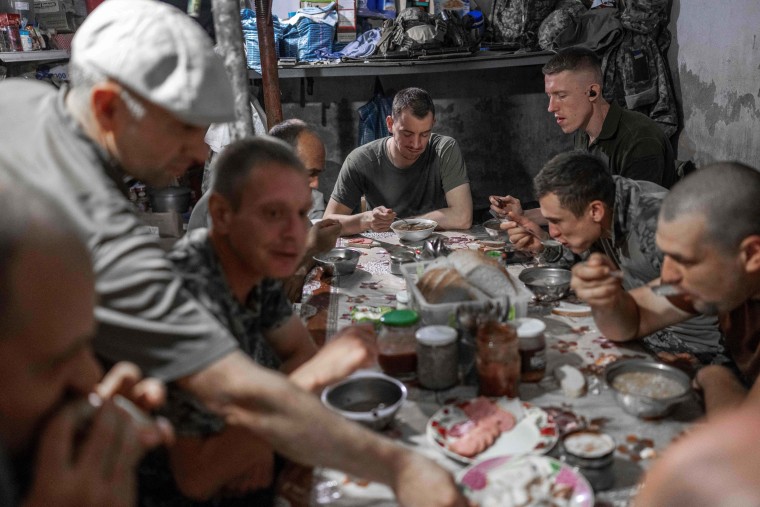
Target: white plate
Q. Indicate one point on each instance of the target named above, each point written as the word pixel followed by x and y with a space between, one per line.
pixel 535 431
pixel 505 481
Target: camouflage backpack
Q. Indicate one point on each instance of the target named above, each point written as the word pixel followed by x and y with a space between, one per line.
pixel 517 21
pixel 413 29
pixel 557 21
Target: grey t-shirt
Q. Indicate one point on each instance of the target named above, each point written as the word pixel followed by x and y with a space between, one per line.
pixel 145 315
pixel 418 189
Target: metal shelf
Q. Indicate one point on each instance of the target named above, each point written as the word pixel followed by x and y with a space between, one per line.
pixel 34 56
pixel 479 61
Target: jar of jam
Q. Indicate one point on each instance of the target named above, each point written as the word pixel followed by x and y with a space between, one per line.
pixel 497 359
pixel 593 453
pixel 397 345
pixel 437 357
pixel 532 345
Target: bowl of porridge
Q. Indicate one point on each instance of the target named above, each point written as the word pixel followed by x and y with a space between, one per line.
pixel 647 389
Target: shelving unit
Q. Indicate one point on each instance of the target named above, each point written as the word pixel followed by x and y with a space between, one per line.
pixel 34 56
pixel 479 61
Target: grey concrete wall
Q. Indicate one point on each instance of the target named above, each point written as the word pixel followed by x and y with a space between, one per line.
pixel 715 63
pixel 498 116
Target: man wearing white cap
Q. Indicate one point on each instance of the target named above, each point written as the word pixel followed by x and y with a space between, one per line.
pixel 145 85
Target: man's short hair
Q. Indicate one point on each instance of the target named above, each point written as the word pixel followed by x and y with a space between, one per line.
pixel 28 217
pixel 417 100
pixel 290 130
pixel 238 159
pixel 574 59
pixel 727 194
pixel 577 179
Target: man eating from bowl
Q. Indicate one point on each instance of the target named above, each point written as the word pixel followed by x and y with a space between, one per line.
pixel 258 208
pixel 413 172
pixel 589 210
pixel 709 234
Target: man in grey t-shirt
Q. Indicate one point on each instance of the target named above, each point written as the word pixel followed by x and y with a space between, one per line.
pixel 411 173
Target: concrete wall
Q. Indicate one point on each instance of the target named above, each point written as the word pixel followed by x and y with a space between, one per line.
pixel 715 63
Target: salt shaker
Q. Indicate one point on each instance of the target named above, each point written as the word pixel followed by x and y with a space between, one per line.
pixel 437 357
pixel 497 359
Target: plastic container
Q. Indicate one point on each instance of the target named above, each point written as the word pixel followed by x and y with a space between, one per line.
pixel 445 313
pixel 532 345
pixel 397 345
pixel 437 357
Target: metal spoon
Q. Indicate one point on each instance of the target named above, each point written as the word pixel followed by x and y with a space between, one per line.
pixel 666 289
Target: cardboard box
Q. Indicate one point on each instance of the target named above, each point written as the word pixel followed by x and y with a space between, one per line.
pixel 60 21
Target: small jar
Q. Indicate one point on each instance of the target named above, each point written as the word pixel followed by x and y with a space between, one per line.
pixel 532 346
pixel 593 453
pixel 437 357
pixel 497 359
pixel 402 300
pixel 397 345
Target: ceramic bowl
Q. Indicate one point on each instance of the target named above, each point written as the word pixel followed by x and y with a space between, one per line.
pixel 546 283
pixel 648 389
pixel 342 261
pixel 367 397
pixel 414 229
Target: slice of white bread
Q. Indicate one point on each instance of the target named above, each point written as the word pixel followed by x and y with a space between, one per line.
pixel 484 273
pixel 445 285
pixel 572 310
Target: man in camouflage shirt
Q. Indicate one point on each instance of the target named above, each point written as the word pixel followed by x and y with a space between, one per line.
pixel 589 210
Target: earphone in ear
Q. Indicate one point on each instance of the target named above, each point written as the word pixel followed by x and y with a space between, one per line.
pixel 592 93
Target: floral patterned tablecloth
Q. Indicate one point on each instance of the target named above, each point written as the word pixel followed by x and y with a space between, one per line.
pixel 574 341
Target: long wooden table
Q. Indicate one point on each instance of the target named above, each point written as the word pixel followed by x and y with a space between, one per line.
pixel 574 341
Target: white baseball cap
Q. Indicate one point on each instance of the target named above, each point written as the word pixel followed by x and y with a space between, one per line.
pixel 160 53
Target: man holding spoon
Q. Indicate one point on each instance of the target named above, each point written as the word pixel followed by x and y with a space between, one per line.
pixel 709 234
pixel 588 211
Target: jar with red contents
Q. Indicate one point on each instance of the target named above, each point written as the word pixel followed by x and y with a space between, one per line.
pixel 497 359
pixel 397 345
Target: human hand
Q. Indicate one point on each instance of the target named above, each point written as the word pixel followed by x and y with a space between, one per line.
pixel 83 465
pixel 323 236
pixel 503 205
pixel 421 482
pixel 381 218
pixel 352 348
pixel 597 281
pixel 525 234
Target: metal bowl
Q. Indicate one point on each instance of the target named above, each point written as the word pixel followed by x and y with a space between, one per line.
pixel 666 381
pixel 493 228
pixel 342 261
pixel 547 284
pixel 367 397
pixel 401 228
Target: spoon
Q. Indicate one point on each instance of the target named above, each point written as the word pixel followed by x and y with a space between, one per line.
pixel 666 289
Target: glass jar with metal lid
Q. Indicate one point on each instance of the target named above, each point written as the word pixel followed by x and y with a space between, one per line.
pixel 437 357
pixel 397 345
pixel 593 453
pixel 532 346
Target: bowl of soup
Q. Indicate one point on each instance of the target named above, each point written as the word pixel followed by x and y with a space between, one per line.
pixel 414 229
pixel 647 389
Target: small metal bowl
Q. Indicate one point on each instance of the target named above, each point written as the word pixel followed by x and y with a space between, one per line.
pixel 547 284
pixel 342 261
pixel 654 377
pixel 367 397
pixel 400 227
pixel 493 228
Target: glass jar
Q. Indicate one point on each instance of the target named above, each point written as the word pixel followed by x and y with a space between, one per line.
pixel 497 359
pixel 532 346
pixel 437 357
pixel 593 453
pixel 397 345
